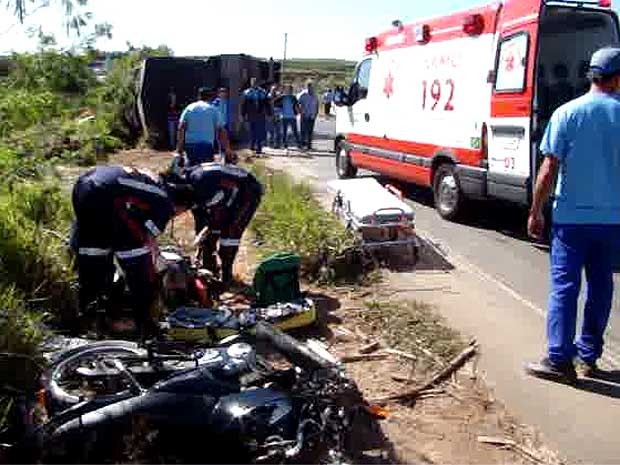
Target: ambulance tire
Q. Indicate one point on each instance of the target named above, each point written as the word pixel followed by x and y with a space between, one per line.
pixel 344 168
pixel 447 193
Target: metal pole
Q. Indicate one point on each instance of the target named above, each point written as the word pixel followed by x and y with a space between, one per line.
pixel 285 45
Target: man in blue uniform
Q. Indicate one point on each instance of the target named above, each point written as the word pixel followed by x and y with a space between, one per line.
pixel 582 144
pixel 254 108
pixel 120 211
pixel 226 198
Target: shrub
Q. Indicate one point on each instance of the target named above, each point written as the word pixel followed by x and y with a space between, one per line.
pixel 22 108
pixel 34 219
pixel 290 219
pixel 21 332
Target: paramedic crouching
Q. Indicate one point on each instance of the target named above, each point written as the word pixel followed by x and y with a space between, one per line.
pixel 199 127
pixel 226 198
pixel 582 144
pixel 119 212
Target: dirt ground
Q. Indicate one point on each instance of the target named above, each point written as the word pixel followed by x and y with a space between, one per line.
pixel 443 425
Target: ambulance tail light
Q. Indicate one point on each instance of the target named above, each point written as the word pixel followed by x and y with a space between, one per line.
pixel 604 3
pixel 484 147
pixel 473 25
pixel 371 44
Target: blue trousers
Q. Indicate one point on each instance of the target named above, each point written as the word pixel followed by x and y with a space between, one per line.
pixel 199 152
pixel 573 249
pixel 257 135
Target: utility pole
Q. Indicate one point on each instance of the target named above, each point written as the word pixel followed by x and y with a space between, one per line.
pixel 285 45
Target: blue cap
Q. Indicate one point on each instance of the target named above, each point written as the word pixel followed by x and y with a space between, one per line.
pixel 606 61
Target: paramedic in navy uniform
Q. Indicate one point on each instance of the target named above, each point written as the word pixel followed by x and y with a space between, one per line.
pixel 119 212
pixel 226 198
pixel 582 144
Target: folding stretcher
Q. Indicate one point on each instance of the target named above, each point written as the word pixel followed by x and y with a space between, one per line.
pixel 379 217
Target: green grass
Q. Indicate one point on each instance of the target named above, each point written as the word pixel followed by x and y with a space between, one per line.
pixel 412 326
pixel 289 219
pixel 324 65
pixel 325 73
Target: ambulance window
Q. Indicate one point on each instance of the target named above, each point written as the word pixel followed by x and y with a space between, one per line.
pixel 512 63
pixel 362 78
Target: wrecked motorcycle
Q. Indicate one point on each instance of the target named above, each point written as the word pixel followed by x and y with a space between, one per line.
pixel 231 406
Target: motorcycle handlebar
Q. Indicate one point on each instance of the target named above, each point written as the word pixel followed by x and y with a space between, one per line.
pixel 288 346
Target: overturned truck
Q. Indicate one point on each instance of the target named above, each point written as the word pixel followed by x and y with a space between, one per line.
pixel 159 75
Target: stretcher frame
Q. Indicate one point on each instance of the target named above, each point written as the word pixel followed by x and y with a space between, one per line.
pixel 342 208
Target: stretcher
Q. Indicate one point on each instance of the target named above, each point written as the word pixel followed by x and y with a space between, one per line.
pixel 374 213
pixel 208 325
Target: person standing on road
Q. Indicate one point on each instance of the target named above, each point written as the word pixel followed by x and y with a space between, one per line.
pixel 582 144
pixel 275 118
pixel 172 118
pixel 199 126
pixel 328 97
pixel 254 109
pixel 309 104
pixel 290 110
pixel 222 103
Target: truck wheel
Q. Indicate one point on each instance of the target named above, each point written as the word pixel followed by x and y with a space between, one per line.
pixel 449 198
pixel 344 168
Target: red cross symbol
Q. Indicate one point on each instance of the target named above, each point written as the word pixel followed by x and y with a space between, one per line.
pixel 388 88
pixel 510 62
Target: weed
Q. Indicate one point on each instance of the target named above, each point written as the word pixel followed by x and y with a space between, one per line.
pixel 34 217
pixel 290 219
pixel 412 326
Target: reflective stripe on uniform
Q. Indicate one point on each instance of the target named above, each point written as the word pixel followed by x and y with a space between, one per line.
pixel 230 242
pixel 152 227
pixel 217 198
pixel 94 251
pixel 133 253
pixel 142 186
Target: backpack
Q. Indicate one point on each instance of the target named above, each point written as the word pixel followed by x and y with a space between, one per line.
pixel 276 279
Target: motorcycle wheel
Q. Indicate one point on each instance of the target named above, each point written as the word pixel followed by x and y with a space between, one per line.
pixel 61 380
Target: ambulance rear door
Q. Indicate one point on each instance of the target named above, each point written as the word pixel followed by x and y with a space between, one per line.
pixel 509 148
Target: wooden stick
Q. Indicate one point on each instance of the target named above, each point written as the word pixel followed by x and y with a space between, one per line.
pixel 402 354
pixel 401 378
pixel 454 365
pixel 511 444
pixel 368 348
pixel 363 358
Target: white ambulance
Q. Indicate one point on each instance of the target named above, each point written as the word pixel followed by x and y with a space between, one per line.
pixel 459 103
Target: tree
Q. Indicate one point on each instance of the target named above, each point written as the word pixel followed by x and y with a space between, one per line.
pixel 76 17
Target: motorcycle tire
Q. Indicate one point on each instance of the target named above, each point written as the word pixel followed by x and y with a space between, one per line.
pixel 59 398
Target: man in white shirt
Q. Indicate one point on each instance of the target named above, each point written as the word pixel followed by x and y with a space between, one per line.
pixel 309 105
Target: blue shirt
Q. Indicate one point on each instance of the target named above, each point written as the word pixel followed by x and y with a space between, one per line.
pixel 222 106
pixel 584 135
pixel 309 104
pixel 288 106
pixel 202 122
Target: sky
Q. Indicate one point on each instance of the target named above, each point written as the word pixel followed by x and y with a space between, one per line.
pixel 316 28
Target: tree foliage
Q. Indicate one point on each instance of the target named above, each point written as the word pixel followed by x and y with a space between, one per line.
pixel 75 16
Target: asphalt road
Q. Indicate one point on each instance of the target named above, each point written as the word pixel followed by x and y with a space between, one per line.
pixel 493 239
pixel 492 244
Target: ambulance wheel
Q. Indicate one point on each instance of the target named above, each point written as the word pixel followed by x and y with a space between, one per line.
pixel 449 198
pixel 344 168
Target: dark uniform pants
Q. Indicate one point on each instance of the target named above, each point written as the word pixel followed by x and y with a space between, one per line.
pixel 226 226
